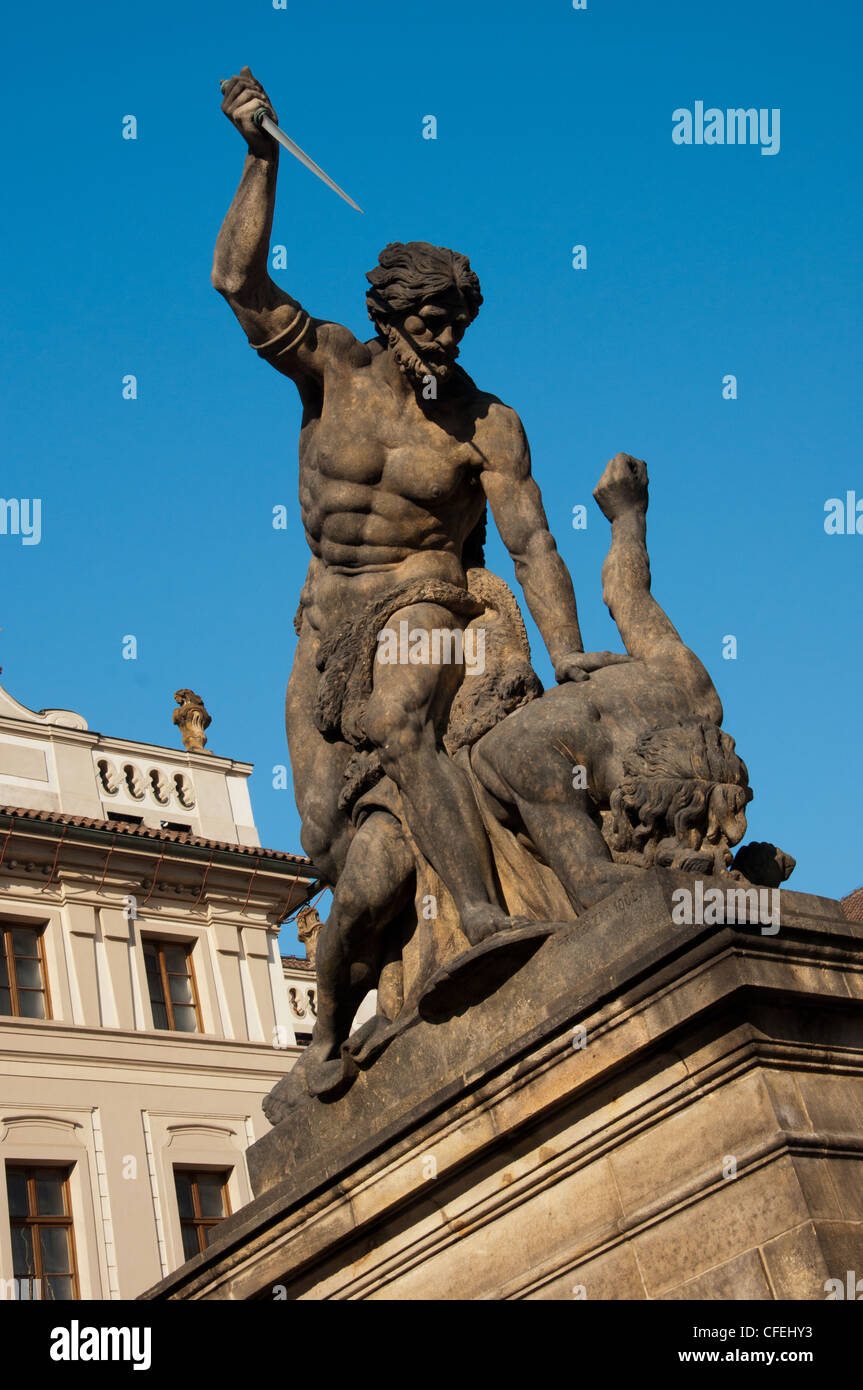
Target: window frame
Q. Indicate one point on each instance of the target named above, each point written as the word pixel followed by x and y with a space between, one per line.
pixel 7 927
pixel 161 943
pixel 33 1219
pixel 197 1222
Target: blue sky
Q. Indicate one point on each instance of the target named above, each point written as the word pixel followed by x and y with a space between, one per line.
pixel 554 129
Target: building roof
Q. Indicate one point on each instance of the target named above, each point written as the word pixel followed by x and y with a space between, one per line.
pixel 300 963
pixel 150 832
pixel 853 905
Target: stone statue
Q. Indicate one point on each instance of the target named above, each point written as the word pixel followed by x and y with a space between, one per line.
pixel 308 929
pixel 191 719
pixel 439 788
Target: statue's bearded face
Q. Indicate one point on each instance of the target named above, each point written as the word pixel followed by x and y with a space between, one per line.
pixel 425 341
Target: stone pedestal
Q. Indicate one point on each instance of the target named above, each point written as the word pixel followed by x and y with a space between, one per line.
pixel 642 1111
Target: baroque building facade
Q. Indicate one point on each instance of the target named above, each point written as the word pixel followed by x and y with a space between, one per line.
pixel 145 1010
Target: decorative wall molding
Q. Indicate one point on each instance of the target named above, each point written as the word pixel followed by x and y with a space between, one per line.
pixel 154 1193
pixel 196 1130
pixel 105 1205
pixel 303 1001
pixel 53 1121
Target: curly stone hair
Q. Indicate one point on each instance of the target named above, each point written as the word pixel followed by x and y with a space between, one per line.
pixel 410 273
pixel 683 789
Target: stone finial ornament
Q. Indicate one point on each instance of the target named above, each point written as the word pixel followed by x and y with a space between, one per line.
pixel 191 719
pixel 308 926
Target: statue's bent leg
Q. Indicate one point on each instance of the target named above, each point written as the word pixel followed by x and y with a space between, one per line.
pixel 374 886
pixel 407 709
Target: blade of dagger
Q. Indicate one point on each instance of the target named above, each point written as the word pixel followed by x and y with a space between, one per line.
pixel 265 122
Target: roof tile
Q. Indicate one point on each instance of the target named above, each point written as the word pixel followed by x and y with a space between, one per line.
pixel 853 905
pixel 151 832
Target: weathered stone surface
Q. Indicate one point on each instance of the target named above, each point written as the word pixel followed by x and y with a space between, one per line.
pixel 742 1278
pixel 487 1157
pixel 801 1260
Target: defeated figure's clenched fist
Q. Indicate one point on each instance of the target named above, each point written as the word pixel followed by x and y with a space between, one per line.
pixel 242 96
pixel 623 486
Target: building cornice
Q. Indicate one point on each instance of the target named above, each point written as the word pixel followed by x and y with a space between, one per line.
pixel 63 733
pixel 298 965
pixel 61 852
pixel 77 1046
pixel 175 843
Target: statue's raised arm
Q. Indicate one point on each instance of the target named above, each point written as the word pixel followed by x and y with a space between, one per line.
pixel 277 326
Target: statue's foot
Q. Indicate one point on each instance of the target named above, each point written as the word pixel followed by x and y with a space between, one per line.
pixel 622 487
pixel 325 1072
pixel 369 1040
pixel 285 1096
pixel 482 920
pixel 329 1080
pixel 318 1073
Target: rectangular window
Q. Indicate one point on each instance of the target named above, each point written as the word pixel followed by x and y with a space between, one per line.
pixel 202 1199
pixel 43 1243
pixel 171 981
pixel 23 981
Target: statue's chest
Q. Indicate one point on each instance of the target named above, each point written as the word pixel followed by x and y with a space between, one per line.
pixel 371 439
pixel 429 471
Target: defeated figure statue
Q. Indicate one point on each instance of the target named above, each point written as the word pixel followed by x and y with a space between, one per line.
pixel 630 768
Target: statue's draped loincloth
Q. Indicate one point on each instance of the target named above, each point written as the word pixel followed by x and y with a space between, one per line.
pixel 346 661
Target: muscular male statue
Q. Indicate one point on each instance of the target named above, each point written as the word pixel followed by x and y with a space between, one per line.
pixel 391 486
